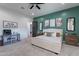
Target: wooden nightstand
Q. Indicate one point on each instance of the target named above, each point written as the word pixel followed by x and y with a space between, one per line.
pixel 71 39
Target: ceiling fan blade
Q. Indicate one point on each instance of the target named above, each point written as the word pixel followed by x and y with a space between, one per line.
pixel 31 6
pixel 37 6
pixel 37 3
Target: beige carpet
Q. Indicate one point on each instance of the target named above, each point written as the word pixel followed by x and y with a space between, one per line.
pixel 24 48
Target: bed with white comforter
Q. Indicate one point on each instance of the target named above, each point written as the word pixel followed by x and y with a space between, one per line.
pixel 53 44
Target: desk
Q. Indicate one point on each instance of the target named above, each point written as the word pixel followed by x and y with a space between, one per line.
pixel 8 39
pixel 1 41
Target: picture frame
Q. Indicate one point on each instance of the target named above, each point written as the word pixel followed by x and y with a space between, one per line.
pixel 52 22
pixel 71 24
pixel 6 24
pixel 10 24
pixel 59 22
pixel 14 25
pixel 47 23
pixel 41 26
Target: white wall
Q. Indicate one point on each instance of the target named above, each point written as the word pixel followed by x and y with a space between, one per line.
pixel 23 22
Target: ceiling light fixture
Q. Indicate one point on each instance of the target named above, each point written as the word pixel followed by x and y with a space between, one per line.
pixel 32 13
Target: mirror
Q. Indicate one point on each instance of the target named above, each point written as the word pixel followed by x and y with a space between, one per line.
pixel 71 24
pixel 41 26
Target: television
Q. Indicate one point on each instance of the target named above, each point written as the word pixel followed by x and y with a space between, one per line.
pixel 6 32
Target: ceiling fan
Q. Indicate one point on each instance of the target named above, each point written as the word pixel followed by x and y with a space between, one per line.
pixel 35 5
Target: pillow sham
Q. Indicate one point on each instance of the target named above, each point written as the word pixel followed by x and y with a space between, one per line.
pixel 49 34
pixel 58 34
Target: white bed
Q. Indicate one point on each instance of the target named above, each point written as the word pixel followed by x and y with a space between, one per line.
pixel 50 43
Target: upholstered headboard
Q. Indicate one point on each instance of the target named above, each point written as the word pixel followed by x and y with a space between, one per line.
pixel 56 32
pixel 52 30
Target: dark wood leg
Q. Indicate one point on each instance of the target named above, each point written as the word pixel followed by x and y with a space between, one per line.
pixel 56 53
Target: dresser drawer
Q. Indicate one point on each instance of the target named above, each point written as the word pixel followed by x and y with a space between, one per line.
pixel 71 39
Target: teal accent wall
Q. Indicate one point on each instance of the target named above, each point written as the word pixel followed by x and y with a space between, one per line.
pixel 64 14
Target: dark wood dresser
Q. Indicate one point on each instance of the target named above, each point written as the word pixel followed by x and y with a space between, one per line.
pixel 71 39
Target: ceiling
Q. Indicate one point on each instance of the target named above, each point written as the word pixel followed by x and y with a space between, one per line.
pixel 23 8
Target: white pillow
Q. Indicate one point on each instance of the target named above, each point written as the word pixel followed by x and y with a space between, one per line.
pixel 45 33
pixel 53 34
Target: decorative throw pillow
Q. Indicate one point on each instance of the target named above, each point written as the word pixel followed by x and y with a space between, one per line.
pixel 57 34
pixel 53 34
pixel 49 34
pixel 45 33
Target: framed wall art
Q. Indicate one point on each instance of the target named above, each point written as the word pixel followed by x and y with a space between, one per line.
pixel 52 22
pixel 46 24
pixel 71 24
pixel 9 24
pixel 58 22
pixel 41 26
